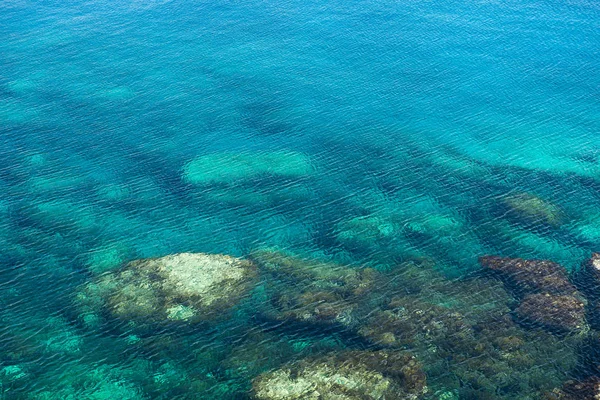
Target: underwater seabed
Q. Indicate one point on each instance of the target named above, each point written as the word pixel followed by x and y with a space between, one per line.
pixel 298 328
pixel 382 297
pixel 299 200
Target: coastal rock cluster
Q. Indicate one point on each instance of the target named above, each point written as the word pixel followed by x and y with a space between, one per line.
pixel 546 295
pixel 314 328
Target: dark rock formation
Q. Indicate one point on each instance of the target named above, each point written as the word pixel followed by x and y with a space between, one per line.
pixel 557 313
pixel 548 299
pixel 588 389
pixel 407 321
pixel 530 276
pixel 312 291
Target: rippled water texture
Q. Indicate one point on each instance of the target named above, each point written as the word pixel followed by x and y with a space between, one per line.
pixel 355 158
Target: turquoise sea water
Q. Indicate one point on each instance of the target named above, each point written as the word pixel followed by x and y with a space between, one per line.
pixel 380 134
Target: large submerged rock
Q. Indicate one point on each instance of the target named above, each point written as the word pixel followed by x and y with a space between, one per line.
pixel 589 276
pixel 530 276
pixel 347 376
pixel 406 321
pixel 313 291
pixel 346 280
pixel 588 280
pixel 532 209
pixel 557 313
pixel 547 298
pixel 588 389
pixel 186 287
pixel 230 168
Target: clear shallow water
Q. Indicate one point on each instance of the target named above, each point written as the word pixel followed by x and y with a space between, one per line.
pixel 415 125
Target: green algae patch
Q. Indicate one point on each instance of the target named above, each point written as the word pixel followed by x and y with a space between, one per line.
pixel 108 258
pixel 86 381
pixel 533 210
pixel 229 168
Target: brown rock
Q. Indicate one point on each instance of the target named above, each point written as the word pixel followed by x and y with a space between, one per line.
pixel 313 291
pixel 530 276
pixel 588 389
pixel 557 313
pixel 407 322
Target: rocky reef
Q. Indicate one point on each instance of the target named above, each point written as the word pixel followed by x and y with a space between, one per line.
pixel 547 296
pixel 517 330
pixel 407 321
pixel 588 389
pixel 350 375
pixel 557 313
pixel 184 287
pixel 313 291
pixel 530 276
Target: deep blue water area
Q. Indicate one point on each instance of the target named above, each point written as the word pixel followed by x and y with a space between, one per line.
pixel 407 137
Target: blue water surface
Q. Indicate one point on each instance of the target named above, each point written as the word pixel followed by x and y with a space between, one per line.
pixel 416 125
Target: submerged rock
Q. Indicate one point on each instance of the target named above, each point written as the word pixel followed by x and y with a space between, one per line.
pixel 406 321
pixel 531 209
pixel 350 376
pixel 323 275
pixel 312 291
pixel 229 168
pixel 316 307
pixel 185 287
pixel 557 313
pixel 530 276
pixel 587 279
pixel 547 298
pixel 588 389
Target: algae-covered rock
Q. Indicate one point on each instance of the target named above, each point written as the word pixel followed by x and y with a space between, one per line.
pixel 185 287
pixel 406 321
pixel 588 389
pixel 530 276
pixel 312 291
pixel 350 376
pixel 229 167
pixel 365 232
pixel 316 307
pixel 531 209
pixel 318 274
pixel 557 313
